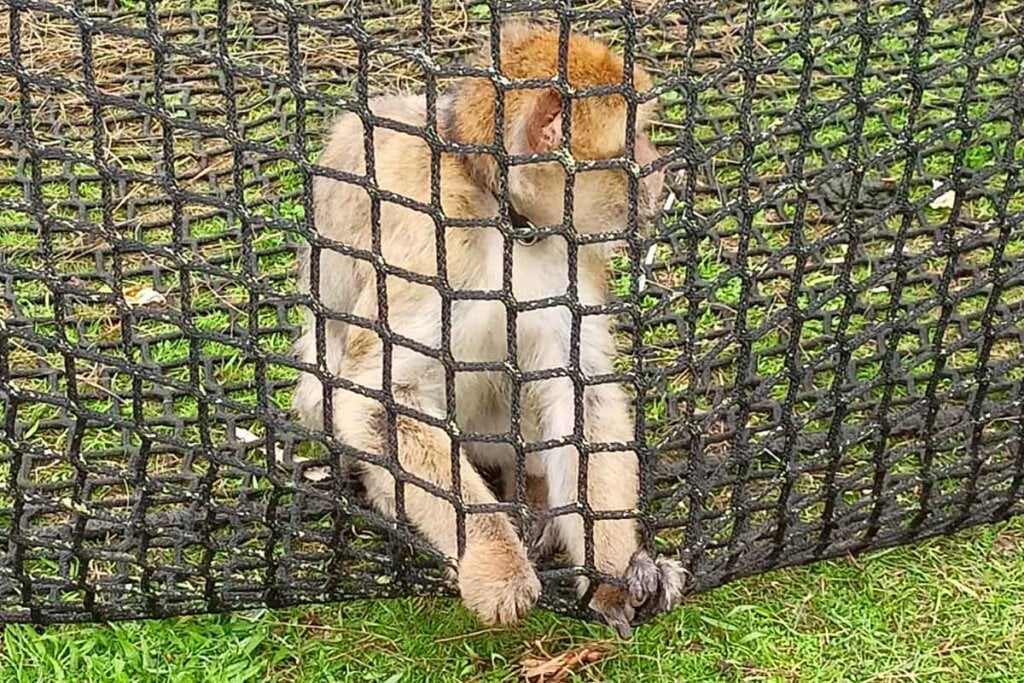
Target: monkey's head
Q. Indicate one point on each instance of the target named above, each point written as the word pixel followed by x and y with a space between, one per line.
pixel 533 124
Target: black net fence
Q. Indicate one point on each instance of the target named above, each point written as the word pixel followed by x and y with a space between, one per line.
pixel 821 333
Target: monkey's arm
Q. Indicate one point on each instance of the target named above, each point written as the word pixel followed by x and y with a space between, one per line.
pixel 495 577
pixel 612 488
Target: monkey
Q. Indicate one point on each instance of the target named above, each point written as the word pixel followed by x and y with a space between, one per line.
pixel 371 279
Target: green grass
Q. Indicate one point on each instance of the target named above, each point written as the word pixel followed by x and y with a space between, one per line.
pixel 946 610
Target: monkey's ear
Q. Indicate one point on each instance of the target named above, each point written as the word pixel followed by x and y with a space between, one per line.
pixel 544 126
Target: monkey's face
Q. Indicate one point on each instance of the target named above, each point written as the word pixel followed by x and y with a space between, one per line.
pixel 601 201
pixel 601 197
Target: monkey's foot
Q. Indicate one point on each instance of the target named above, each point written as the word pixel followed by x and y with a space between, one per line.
pixel 612 603
pixel 498 583
pixel 651 586
pixel 655 585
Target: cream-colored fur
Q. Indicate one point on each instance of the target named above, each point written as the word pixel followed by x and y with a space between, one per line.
pixel 495 577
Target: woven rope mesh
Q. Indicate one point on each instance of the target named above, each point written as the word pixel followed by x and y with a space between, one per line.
pixel 822 332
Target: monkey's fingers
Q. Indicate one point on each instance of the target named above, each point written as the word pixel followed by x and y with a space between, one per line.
pixel 654 586
pixel 672 580
pixel 541 541
pixel 642 577
pixel 621 623
pixel 613 604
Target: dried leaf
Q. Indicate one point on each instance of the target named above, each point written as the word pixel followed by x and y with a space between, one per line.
pixel 944 200
pixel 559 668
pixel 137 296
pixel 645 5
pixel 1006 543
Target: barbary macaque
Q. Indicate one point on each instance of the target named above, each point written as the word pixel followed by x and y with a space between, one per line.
pixel 495 577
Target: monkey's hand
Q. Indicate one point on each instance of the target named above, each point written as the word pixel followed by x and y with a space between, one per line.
pixel 651 587
pixel 497 583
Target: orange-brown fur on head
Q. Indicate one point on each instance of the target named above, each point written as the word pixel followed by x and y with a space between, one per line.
pixel 532 117
pixel 530 52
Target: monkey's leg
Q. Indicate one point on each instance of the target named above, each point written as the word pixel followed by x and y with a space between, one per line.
pixel 339 291
pixel 612 481
pixel 309 390
pixel 613 485
pixel 495 577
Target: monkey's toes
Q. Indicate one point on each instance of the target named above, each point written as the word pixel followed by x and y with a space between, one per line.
pixel 642 577
pixel 654 585
pixel 673 581
pixel 613 604
pixel 499 585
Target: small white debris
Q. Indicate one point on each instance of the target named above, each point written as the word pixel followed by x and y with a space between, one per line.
pixel 670 201
pixel 648 261
pixel 71 504
pixel 319 473
pixel 138 296
pixel 245 436
pixel 314 474
pixel 944 200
